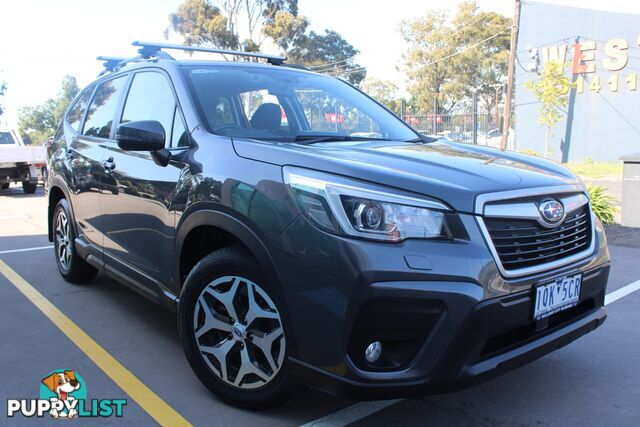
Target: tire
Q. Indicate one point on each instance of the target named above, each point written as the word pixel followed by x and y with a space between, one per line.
pixel 71 266
pixel 4 186
pixel 29 187
pixel 212 282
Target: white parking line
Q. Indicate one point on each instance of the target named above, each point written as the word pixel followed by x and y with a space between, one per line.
pixel 622 292
pixel 351 413
pixel 12 251
pixel 361 410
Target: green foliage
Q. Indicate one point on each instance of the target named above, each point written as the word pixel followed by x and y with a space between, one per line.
pixel 591 171
pixel 447 58
pixel 385 92
pixel 38 123
pixel 316 50
pixel 530 152
pixel 551 90
pixel 200 22
pixel 218 23
pixel 603 205
pixel 285 29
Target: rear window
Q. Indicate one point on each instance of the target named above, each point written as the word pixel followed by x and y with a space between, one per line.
pixel 103 108
pixel 6 138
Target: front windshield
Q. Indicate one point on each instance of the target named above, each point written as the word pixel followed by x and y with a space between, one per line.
pixel 280 104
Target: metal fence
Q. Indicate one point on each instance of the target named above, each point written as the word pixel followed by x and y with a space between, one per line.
pixel 458 126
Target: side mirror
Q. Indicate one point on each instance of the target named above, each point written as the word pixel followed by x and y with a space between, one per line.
pixel 142 135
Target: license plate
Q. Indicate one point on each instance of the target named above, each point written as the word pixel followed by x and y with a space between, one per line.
pixel 562 293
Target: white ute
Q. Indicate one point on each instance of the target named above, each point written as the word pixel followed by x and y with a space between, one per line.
pixel 19 162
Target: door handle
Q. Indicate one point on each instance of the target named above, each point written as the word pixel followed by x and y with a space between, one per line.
pixel 108 165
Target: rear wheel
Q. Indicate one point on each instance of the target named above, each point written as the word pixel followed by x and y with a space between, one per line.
pixel 233 332
pixel 4 186
pixel 29 187
pixel 71 266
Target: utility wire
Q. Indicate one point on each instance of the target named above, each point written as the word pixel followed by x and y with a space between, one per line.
pixel 355 70
pixel 467 48
pixel 462 26
pixel 330 64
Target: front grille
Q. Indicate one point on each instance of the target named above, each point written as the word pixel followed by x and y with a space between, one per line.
pixel 525 243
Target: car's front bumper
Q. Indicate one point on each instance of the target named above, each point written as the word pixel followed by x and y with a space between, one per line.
pixel 495 337
pixel 469 323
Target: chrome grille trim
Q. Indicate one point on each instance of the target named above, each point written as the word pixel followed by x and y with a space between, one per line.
pixel 484 199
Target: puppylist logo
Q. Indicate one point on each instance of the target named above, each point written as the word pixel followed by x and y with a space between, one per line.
pixel 63 394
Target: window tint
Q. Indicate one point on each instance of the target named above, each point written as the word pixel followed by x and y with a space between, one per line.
pixel 151 98
pixel 253 104
pixel 103 108
pixel 326 112
pixel 74 118
pixel 279 104
pixel 6 138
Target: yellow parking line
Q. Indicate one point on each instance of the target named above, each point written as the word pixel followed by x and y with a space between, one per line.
pixel 150 402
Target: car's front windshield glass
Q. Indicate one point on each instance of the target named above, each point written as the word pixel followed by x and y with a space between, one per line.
pixel 287 105
pixel 6 138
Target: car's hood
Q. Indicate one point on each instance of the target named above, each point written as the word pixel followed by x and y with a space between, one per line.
pixel 453 173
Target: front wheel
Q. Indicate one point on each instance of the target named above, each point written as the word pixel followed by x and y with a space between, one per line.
pixel 4 186
pixel 233 333
pixel 71 266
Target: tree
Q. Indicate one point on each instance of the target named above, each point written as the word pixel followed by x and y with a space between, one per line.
pixel 219 22
pixel 385 92
pixel 551 90
pixel 328 53
pixel 448 58
pixel 38 123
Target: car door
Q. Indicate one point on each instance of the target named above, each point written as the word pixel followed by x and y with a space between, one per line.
pixel 90 124
pixel 137 212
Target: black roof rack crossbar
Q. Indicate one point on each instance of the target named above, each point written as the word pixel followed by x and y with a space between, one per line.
pixel 112 63
pixel 152 49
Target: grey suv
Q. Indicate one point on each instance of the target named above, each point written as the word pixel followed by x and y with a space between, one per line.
pixel 304 234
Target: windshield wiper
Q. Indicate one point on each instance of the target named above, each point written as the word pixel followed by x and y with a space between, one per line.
pixel 423 138
pixel 306 139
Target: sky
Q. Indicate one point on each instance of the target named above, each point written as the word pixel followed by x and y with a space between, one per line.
pixel 42 40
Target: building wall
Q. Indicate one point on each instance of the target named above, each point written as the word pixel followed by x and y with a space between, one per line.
pixel 601 123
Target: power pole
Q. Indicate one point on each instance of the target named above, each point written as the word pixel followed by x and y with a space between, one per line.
pixel 474 119
pixel 509 84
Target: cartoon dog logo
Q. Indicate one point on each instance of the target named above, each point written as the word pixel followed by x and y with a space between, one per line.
pixel 62 383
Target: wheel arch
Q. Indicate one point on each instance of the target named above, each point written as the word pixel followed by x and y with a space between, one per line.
pixel 212 215
pixel 215 217
pixel 56 191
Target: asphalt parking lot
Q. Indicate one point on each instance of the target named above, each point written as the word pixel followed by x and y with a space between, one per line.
pixel 593 381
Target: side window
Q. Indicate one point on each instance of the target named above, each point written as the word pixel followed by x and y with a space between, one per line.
pixel 151 98
pixel 103 108
pixel 179 134
pixel 75 115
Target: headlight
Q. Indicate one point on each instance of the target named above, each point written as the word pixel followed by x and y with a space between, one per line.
pixel 342 206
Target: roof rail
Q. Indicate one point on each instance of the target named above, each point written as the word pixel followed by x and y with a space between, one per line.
pixel 152 49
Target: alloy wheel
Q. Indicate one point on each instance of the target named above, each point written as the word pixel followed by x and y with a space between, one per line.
pixel 239 332
pixel 63 240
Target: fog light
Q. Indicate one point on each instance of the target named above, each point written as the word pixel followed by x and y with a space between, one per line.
pixel 373 352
